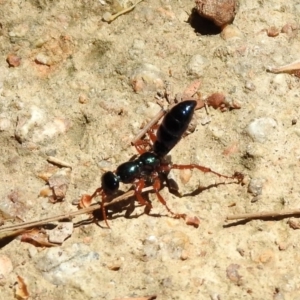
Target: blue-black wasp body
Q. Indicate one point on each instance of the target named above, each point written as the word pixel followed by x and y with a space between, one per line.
pixel 173 126
pixel 170 131
pixel 142 167
pixel 150 164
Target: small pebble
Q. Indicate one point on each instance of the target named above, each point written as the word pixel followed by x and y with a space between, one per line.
pixel 60 233
pixel 283 246
pixel 185 175
pixel 205 120
pixel 19 30
pixel 266 256
pixel 255 150
pixel 146 78
pixel 280 85
pixel 115 265
pixel 5 124
pixel 83 99
pixel 241 251
pixel 192 221
pixel 61 266
pixel 255 199
pixel 294 223
pixel 233 274
pixel 106 16
pixel 290 29
pixel 215 100
pixel 184 255
pixel 255 186
pixel 43 59
pixel 197 64
pixel 152 110
pixel 249 85
pixel 137 48
pixel 261 129
pixel 272 31
pixel 279 296
pixel 6 266
pixel 21 290
pixel 32 251
pixel 59 183
pixel 13 60
pixel 27 120
pixel 231 32
pixel 214 296
pixel 221 12
pixel 45 191
pixel 151 247
pixel 47 172
pixel 173 243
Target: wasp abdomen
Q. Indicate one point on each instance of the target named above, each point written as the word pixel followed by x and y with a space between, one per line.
pixel 174 124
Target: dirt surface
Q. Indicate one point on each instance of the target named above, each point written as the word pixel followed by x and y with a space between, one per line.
pixel 79 89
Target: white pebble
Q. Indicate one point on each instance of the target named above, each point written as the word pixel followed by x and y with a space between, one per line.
pixel 61 266
pixel 279 84
pixel 231 32
pixel 261 129
pixel 151 247
pixel 138 44
pixel 43 59
pixel 152 110
pixel 136 49
pixel 5 124
pixel 197 65
pixel 5 266
pixel 255 186
pixel 26 122
pixel 147 78
pixel 152 239
pixel 250 86
pixel 106 16
pixel 61 232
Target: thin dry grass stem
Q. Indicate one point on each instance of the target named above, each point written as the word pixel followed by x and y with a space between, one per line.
pixel 12 230
pixel 58 162
pixel 153 121
pixel 110 18
pixel 294 66
pixel 264 215
pixel 158 116
pixel 139 298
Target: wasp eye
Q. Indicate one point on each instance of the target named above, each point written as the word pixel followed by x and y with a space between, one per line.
pixel 110 183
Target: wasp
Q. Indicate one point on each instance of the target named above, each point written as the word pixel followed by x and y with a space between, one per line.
pixel 148 167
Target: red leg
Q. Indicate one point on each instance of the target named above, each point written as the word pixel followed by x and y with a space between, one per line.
pixel 88 199
pixel 103 209
pixel 138 142
pixel 138 188
pixel 151 133
pixel 236 175
pixel 103 196
pixel 156 186
pixel 143 145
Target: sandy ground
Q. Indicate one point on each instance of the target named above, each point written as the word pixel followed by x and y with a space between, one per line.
pixel 83 90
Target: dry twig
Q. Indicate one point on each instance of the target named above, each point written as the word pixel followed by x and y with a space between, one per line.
pixel 264 215
pixel 16 229
pixel 109 17
pixel 155 119
pixel 58 162
pixel 139 298
pixel 289 68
